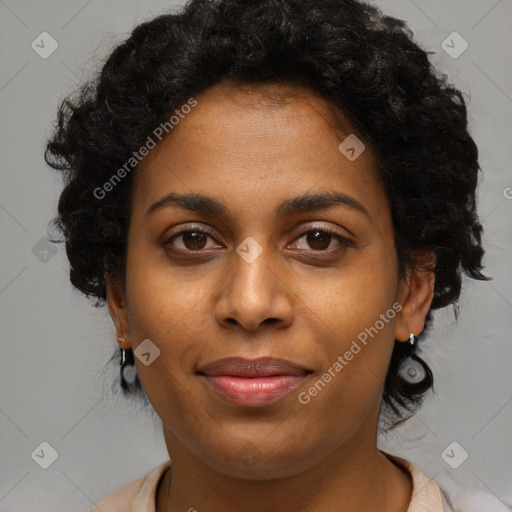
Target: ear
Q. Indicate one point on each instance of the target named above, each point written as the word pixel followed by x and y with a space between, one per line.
pixel 415 295
pixel 117 309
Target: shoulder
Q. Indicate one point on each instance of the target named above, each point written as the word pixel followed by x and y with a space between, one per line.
pixel 426 493
pixel 137 496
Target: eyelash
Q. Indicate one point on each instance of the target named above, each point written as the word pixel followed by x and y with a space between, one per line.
pixel 344 241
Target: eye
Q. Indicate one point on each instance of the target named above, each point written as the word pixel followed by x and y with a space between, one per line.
pixel 319 239
pixel 191 239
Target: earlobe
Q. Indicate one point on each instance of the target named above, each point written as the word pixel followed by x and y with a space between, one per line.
pixel 117 309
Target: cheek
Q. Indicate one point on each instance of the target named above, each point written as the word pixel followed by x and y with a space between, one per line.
pixel 169 308
pixel 164 301
pixel 347 390
pixel 354 320
pixel 351 298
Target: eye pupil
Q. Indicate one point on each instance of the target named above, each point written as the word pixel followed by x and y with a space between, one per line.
pixel 318 237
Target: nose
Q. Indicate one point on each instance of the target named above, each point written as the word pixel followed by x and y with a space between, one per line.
pixel 254 294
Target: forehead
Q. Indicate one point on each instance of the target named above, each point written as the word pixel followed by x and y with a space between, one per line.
pixel 266 108
pixel 250 143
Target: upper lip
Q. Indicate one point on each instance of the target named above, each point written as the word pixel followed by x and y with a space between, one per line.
pixel 260 367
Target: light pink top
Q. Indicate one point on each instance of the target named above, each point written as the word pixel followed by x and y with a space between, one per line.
pixel 140 495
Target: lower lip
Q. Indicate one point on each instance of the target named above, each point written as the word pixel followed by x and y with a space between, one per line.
pixel 254 391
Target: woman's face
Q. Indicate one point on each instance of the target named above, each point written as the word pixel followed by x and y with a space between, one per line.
pixel 253 278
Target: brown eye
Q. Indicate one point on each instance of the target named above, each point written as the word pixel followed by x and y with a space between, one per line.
pixel 194 240
pixel 191 240
pixel 320 239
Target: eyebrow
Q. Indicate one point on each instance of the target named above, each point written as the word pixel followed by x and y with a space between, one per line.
pixel 305 203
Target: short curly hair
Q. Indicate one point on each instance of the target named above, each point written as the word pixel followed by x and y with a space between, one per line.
pixel 366 64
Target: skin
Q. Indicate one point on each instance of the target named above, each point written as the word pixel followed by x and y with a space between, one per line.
pixel 252 155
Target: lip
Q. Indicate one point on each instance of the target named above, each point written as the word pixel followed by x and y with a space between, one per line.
pixel 253 382
pixel 259 367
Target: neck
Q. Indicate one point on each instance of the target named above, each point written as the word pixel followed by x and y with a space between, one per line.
pixel 355 476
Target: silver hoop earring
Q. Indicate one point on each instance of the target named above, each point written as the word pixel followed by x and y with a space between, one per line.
pixel 412 341
pixel 411 370
pixel 127 360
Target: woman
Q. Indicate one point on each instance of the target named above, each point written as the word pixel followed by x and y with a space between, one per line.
pixel 272 197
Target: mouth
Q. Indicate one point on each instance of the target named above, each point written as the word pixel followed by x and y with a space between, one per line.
pixel 253 382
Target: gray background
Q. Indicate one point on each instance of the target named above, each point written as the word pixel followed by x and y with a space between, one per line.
pixel 54 345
